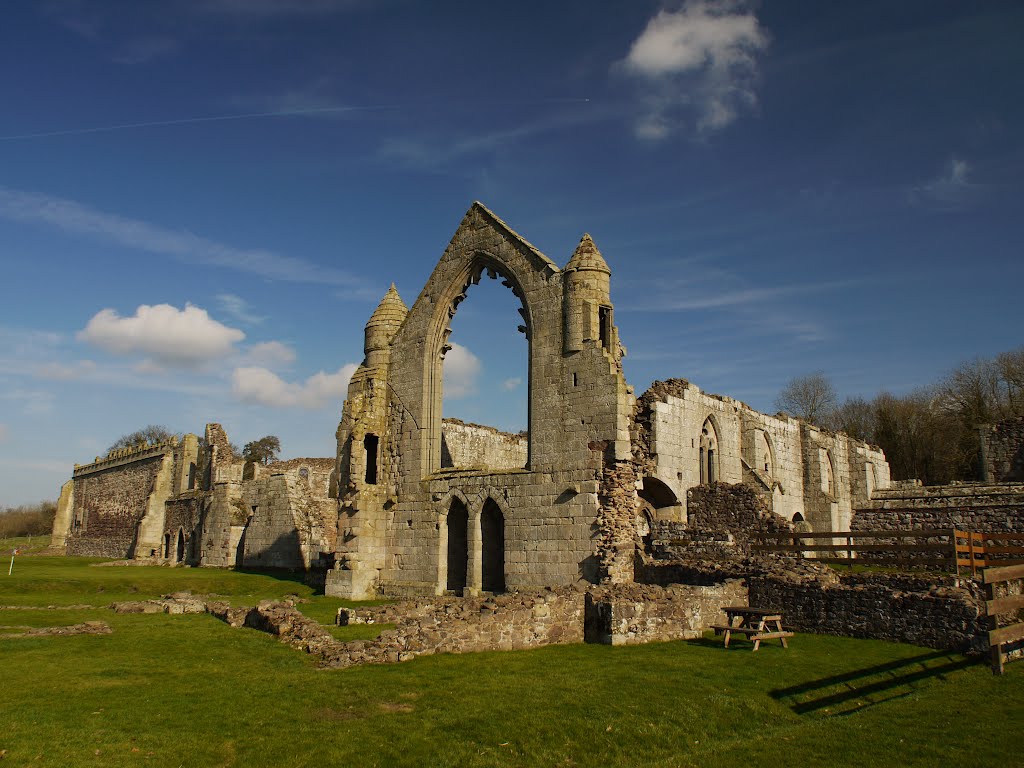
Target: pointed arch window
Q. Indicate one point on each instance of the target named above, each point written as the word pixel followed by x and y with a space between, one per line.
pixel 708 453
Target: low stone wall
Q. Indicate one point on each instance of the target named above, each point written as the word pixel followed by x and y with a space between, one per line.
pixel 875 606
pixel 934 611
pixel 965 506
pixel 630 614
pixel 464 625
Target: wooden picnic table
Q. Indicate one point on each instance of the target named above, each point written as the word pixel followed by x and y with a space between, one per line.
pixel 756 624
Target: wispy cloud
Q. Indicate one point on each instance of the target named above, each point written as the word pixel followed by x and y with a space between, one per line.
pixel 952 189
pixel 238 308
pixel 261 386
pixel 71 216
pixel 270 354
pixel 34 402
pixel 66 371
pixel 434 154
pixel 696 66
pixel 145 49
pixel 510 384
pixel 166 335
pixel 677 296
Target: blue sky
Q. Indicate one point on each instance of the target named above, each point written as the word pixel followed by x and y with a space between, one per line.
pixel 202 201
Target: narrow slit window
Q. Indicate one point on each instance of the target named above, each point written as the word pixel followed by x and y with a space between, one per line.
pixel 604 316
pixel 370 443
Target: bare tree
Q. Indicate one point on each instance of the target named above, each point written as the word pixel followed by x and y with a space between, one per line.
pixel 811 398
pixel 856 417
pixel 153 433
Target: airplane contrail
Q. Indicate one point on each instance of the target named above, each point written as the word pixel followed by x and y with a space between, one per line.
pixel 187 121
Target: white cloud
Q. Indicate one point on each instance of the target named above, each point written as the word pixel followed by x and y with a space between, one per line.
pixel 270 354
pixel 949 190
pixel 697 62
pixel 260 386
pixel 461 369
pixel 166 335
pixel 238 308
pixel 71 216
pixel 509 384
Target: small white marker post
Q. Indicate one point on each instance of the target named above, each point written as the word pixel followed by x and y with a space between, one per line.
pixel 11 569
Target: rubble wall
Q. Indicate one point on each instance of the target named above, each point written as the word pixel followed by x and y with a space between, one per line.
pixel 966 506
pixel 110 500
pixel 874 606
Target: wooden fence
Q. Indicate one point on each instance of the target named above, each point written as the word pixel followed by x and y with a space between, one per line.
pixel 1006 607
pixel 946 548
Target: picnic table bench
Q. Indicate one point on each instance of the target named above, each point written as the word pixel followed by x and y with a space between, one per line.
pixel 756 624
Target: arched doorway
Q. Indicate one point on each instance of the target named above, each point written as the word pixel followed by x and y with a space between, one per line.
pixel 458 546
pixel 180 552
pixel 492 533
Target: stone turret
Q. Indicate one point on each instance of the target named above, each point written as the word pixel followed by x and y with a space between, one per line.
pixel 383 325
pixel 588 305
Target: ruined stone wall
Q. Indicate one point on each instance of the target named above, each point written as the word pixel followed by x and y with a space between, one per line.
pixel 629 614
pixel 111 497
pixel 182 514
pixel 737 510
pixel 878 607
pixel 799 470
pixel 965 506
pixel 395 530
pixel 1002 451
pixel 474 446
pixel 292 520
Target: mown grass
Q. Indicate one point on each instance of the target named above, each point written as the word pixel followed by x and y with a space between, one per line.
pixel 189 690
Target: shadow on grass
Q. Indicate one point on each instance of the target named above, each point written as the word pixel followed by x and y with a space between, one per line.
pixel 892 677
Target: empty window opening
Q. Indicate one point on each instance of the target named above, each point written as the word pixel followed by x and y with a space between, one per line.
pixel 191 475
pixel 575 380
pixel 492 533
pixel 604 316
pixel 486 382
pixel 167 546
pixel 370 443
pixel 458 546
pixel 179 555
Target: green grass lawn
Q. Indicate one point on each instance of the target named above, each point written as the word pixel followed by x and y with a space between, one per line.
pixel 189 690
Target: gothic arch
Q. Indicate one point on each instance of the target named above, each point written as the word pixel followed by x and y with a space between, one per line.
pixel 451 296
pixel 710 451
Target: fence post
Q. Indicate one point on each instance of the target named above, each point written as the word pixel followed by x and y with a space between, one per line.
pixel 849 552
pixel 956 555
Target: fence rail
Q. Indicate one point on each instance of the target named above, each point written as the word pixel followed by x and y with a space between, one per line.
pixel 1007 607
pixel 945 548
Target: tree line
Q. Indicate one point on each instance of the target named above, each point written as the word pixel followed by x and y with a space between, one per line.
pixel 931 433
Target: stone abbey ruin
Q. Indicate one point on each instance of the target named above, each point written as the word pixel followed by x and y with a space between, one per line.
pixel 414 505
